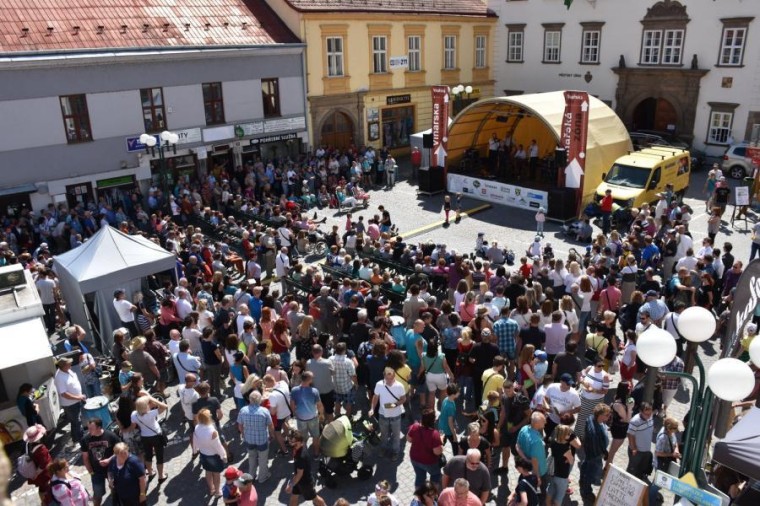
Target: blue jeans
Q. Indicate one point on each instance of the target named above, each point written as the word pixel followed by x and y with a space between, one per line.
pixel 591 474
pixel 390 432
pixel 285 361
pixel 422 470
pixel 754 251
pixel 582 322
pixel 74 417
pixel 466 386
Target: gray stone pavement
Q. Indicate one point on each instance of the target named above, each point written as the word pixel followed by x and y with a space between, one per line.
pixel 510 227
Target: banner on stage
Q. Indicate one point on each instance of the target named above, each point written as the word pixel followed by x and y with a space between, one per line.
pixel 498 193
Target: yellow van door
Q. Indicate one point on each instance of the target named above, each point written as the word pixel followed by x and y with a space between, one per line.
pixel 654 186
pixel 682 176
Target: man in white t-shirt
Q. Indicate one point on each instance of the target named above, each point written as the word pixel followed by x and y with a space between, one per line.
pixel 389 396
pixel 71 397
pixel 126 311
pixel 559 399
pixel 187 396
pixel 282 263
pixel 184 308
pixel 47 286
pixel 279 406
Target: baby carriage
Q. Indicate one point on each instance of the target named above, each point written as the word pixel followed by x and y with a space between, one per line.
pixel 345 450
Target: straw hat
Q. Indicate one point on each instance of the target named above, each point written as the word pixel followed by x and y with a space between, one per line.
pixel 137 342
pixel 34 433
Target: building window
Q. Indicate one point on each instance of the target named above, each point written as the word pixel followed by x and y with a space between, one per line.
pixel 449 52
pixel 552 40
pixel 672 46
pixel 720 127
pixel 154 116
pixel 213 103
pixel 650 47
pixel 335 56
pixel 732 46
pixel 379 53
pixel 270 93
pixel 414 54
pixel 480 51
pixel 590 49
pixel 76 119
pixel 515 40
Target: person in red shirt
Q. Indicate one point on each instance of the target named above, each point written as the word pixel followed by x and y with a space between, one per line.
pixel 416 161
pixel 605 207
pixel 458 495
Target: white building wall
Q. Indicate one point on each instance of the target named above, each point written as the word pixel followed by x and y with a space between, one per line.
pixel 105 123
pixel 291 96
pixel 242 100
pixel 184 106
pixel 622 35
pixel 31 123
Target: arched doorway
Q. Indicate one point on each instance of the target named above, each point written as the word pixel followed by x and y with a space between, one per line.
pixel 655 114
pixel 337 130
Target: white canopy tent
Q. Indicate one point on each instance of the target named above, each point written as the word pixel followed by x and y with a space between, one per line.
pixel 109 260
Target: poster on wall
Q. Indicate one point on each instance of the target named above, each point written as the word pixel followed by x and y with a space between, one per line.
pixel 373 114
pixel 374 131
pixel 498 193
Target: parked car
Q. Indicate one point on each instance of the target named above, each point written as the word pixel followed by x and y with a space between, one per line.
pixel 646 138
pixel 736 163
pixel 668 138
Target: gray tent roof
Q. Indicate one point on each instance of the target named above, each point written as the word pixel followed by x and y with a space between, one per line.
pixel 740 449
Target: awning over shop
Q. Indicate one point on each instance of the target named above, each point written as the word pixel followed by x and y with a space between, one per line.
pixel 22 343
pixel 740 449
pixel 13 190
pixel 539 116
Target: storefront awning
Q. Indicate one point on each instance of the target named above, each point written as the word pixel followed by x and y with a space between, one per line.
pixel 24 188
pixel 35 343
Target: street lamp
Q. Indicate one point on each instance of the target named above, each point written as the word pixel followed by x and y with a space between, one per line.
pixel 728 378
pixel 168 140
pixel 458 91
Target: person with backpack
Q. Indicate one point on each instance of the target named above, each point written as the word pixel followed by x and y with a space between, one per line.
pixel 65 488
pixel 514 415
pixel 33 464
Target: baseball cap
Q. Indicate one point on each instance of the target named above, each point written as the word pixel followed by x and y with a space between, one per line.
pixel 567 378
pixel 540 354
pixel 232 473
pixel 653 293
pixel 244 479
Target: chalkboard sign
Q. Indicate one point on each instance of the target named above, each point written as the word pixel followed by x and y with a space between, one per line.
pixel 621 489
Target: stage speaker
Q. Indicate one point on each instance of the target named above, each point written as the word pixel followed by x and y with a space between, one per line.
pixel 427 141
pixel 560 158
pixel 562 203
pixel 431 180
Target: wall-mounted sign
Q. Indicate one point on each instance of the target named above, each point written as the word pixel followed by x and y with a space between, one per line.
pixel 186 136
pixel 398 99
pixel 283 124
pixel 398 62
pixel 254 128
pixel 274 138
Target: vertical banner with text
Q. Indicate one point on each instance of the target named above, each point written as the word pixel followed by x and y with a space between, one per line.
pixel 573 139
pixel 440 125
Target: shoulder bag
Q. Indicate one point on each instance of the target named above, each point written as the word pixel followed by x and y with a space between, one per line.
pixel 163 438
pixel 423 376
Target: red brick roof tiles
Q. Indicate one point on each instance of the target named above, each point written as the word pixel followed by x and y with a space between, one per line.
pixel 248 22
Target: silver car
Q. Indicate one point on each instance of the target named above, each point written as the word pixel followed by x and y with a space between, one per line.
pixel 736 162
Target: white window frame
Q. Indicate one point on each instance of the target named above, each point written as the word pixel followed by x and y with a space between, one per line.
pixel 719 130
pixel 335 61
pixel 672 47
pixel 552 46
pixel 731 53
pixel 591 46
pixel 380 54
pixel 515 43
pixel 449 52
pixel 481 43
pixel 651 47
pixel 414 47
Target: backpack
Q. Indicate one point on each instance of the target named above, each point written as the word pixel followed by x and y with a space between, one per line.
pixel 26 466
pixel 53 483
pixel 520 403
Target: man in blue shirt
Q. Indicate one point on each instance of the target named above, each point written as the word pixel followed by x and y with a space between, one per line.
pixel 256 427
pixel 506 331
pixel 530 446
pixel 306 406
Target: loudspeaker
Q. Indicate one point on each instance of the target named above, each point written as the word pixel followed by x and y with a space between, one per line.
pixel 562 203
pixel 560 158
pixel 427 141
pixel 431 180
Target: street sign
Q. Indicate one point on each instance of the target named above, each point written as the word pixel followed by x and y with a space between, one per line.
pixel 574 133
pixel 683 489
pixel 134 144
pixel 440 125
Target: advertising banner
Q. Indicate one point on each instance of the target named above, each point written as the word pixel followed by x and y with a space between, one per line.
pixel 440 125
pixel 574 133
pixel 498 193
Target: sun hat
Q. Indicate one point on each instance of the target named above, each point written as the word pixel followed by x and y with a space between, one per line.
pixel 137 342
pixel 34 433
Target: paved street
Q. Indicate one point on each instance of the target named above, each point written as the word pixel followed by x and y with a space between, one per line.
pixel 511 227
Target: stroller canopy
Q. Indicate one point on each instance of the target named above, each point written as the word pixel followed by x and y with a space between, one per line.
pixel 337 438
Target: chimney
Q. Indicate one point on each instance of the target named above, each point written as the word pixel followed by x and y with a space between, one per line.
pixel 24 32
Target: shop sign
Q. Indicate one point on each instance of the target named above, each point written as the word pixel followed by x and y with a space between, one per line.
pixel 498 193
pixel 115 181
pixel 274 138
pixel 201 152
pixel 248 129
pixel 283 124
pixel 398 99
pixel 134 144
pixel 398 62
pixel 189 135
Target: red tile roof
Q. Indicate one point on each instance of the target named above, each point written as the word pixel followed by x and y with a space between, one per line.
pixel 459 7
pixel 51 25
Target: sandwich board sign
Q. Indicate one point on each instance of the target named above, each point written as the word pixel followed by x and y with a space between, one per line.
pixel 621 489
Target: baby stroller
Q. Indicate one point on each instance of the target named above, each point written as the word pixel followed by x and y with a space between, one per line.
pixel 345 450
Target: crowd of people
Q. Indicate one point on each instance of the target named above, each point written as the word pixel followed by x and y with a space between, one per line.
pixel 435 346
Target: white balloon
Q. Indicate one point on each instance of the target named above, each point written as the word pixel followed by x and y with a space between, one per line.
pixel 731 379
pixel 656 347
pixel 696 324
pixel 754 351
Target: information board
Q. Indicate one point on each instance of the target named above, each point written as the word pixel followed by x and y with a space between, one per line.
pixel 621 489
pixel 742 195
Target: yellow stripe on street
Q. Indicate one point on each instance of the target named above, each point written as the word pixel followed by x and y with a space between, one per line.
pixel 427 228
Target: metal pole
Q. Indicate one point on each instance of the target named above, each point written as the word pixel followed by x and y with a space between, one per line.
pixel 649 384
pixel 703 430
pixel 695 400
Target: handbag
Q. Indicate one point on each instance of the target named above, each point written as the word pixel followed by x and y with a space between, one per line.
pixel 663 463
pixel 442 460
pixel 422 377
pixel 162 435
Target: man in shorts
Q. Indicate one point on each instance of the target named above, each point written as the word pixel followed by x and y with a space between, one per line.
pixel 302 483
pixel 306 405
pixel 279 405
